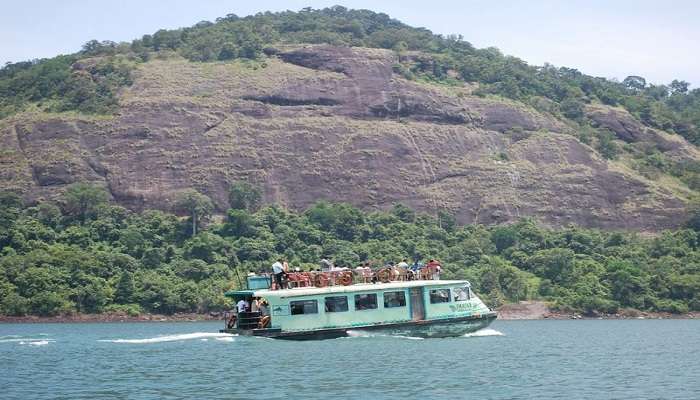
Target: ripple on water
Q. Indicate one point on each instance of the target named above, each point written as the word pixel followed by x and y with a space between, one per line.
pixel 510 359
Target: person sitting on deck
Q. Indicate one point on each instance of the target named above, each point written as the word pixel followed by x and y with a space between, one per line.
pixel 263 307
pixel 403 264
pixel 416 266
pixel 278 271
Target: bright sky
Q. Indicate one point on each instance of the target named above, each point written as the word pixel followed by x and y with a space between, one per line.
pixel 659 40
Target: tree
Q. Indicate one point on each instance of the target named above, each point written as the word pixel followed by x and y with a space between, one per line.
pixel 342 219
pixel 197 205
pixel 244 196
pixel 694 218
pixel 554 264
pixel 572 108
pixel 504 237
pixel 404 213
pixel 446 220
pixel 635 82
pixel 10 200
pixel 10 206
pixel 606 145
pixel 238 223
pixel 82 200
pixel 228 51
pixel 679 86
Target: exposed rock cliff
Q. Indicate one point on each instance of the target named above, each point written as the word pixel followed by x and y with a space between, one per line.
pixel 321 122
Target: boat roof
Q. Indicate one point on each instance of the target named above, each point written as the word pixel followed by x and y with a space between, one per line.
pixel 359 287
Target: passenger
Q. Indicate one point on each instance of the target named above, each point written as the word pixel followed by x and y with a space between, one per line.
pixel 417 265
pixel 263 307
pixel 403 264
pixel 410 275
pixel 395 273
pixel 278 270
pixel 434 268
pixel 242 306
pixel 326 265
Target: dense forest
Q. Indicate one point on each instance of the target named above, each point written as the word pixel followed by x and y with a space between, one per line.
pixel 89 80
pixel 83 254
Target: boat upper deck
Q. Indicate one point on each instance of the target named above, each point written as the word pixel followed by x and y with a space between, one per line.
pixel 358 287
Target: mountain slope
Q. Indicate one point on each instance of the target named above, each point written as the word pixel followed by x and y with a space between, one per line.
pixel 373 113
pixel 336 123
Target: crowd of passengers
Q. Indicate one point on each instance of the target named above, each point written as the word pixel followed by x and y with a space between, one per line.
pixel 401 270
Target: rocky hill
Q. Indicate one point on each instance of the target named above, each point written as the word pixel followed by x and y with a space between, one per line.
pixel 308 122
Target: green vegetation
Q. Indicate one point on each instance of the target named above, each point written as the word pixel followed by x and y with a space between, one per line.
pixel 65 83
pixel 87 81
pixel 86 255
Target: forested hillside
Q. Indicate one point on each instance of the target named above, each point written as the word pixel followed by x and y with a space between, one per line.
pixel 89 256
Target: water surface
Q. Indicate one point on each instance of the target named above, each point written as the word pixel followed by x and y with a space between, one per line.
pixel 640 359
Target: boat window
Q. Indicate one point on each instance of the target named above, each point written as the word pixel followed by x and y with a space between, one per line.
pixel 394 299
pixel 461 293
pixel 439 296
pixel 365 301
pixel 303 307
pixel 336 303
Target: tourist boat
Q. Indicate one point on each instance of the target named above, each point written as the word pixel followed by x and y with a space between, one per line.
pixel 416 308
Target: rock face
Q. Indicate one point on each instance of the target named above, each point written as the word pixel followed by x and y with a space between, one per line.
pixel 322 122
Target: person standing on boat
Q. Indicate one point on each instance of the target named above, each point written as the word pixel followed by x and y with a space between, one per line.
pixel 242 306
pixel 326 265
pixel 434 268
pixel 278 271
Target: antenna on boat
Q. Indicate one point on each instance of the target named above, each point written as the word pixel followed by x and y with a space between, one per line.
pixel 231 263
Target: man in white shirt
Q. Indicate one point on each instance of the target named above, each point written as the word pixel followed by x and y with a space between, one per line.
pixel 326 265
pixel 278 271
pixel 242 305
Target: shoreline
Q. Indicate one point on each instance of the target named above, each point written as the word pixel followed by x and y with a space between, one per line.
pixel 524 310
pixel 538 310
pixel 112 317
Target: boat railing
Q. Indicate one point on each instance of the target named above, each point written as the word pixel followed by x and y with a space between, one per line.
pixel 346 277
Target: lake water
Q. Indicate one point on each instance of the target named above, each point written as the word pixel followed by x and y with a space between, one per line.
pixel 640 359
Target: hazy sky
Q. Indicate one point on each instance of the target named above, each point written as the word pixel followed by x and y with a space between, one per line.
pixel 659 40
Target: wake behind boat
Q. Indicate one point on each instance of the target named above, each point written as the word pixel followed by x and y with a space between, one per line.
pixel 417 308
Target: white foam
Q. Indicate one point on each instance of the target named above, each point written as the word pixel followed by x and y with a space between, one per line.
pixel 172 338
pixel 225 339
pixel 39 343
pixel 484 332
pixel 21 340
pixel 35 342
pixel 361 333
pixel 358 333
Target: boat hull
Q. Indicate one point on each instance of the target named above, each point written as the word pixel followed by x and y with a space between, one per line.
pixel 438 328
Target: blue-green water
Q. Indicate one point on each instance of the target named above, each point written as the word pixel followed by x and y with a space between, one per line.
pixel 641 359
